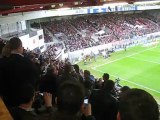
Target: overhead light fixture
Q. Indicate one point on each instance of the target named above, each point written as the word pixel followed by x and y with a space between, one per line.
pixel 53 6
pixel 61 4
pixel 116 4
pixel 76 3
pixel 147 2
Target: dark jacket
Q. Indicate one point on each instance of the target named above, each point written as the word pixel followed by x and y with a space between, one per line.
pixel 49 84
pixel 64 116
pixel 104 105
pixel 21 114
pixel 16 71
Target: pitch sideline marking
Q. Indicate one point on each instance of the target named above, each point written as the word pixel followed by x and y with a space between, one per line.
pixel 145 60
pixel 131 82
pixel 94 68
pixel 122 58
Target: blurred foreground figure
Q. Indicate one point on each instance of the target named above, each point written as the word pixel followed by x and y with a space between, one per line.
pixel 15 71
pixel 137 104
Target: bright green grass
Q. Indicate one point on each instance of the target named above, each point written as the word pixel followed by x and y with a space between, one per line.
pixel 137 67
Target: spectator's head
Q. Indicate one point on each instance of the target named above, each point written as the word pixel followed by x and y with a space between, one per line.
pixel 67 68
pixel 108 85
pixel 87 74
pixel 15 45
pixel 6 50
pixel 124 89
pixel 105 76
pixel 70 97
pixel 52 71
pixel 137 104
pixel 76 67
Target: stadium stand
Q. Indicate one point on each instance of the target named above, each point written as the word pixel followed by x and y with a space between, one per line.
pixel 42 86
pixel 61 71
pixel 77 33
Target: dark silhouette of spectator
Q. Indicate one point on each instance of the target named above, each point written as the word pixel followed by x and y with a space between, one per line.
pixel 104 105
pixel 137 104
pixel 88 83
pixel 124 89
pixel 67 75
pixel 49 82
pixel 98 83
pixel 105 78
pixel 16 71
pixel 1 62
pixel 24 110
pixel 76 67
pixel 6 50
pixel 70 102
pixel 121 91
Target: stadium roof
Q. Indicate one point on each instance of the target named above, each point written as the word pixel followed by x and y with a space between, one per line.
pixel 15 6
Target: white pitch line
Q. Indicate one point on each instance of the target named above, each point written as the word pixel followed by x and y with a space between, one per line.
pixel 131 82
pixel 122 58
pixel 145 60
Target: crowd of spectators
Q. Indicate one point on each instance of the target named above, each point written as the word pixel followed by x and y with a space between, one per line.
pixel 77 32
pixel 53 50
pixel 47 37
pixel 35 87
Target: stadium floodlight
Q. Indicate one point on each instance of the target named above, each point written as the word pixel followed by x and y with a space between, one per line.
pixel 53 6
pixel 61 4
pixel 76 3
pixel 147 2
pixel 116 4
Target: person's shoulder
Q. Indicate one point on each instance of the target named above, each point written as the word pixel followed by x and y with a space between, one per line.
pixel 20 114
pixel 16 56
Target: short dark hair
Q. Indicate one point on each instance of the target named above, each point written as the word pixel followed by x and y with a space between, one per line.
pixel 106 75
pixel 87 72
pixel 70 97
pixel 124 88
pixel 76 67
pixel 15 43
pixel 137 104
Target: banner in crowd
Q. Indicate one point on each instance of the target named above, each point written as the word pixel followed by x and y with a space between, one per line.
pixel 112 9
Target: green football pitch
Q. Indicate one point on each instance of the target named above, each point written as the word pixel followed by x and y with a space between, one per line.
pixel 138 67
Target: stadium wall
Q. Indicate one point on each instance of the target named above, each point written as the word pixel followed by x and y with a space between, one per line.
pixel 12 27
pixel 34 42
pixel 79 54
